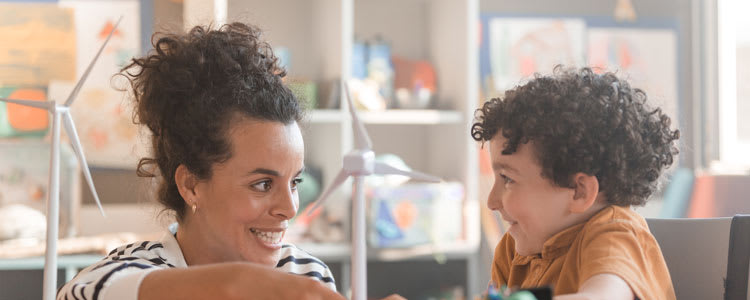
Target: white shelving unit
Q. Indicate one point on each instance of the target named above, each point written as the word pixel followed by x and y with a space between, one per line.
pixel 319 35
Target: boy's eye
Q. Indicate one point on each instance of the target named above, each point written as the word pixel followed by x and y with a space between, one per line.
pixel 506 179
pixel 262 186
pixel 296 182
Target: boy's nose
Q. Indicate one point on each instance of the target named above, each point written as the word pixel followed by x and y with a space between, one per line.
pixel 494 200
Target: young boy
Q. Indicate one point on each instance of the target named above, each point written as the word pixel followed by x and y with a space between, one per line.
pixel 571 153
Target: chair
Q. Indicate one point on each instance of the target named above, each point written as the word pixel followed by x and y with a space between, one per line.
pixel 707 258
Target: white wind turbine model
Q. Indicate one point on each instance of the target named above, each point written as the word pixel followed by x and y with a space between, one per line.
pixel 360 162
pixel 61 111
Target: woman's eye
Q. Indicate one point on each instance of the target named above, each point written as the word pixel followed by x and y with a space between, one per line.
pixel 263 186
pixel 296 182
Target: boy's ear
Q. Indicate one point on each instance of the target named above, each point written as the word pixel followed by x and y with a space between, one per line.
pixel 586 192
pixel 186 182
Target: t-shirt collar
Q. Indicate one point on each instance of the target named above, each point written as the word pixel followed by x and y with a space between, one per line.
pixel 554 247
pixel 172 250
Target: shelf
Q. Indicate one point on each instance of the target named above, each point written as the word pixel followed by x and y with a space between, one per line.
pixel 325 116
pixel 342 252
pixel 408 116
pixel 393 116
pixel 70 263
pixel 37 262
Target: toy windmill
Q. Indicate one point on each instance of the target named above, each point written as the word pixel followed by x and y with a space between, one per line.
pixel 61 113
pixel 360 162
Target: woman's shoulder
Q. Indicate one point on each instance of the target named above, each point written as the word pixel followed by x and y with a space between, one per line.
pixel 152 251
pixel 136 247
pixel 121 270
pixel 297 261
pixel 293 255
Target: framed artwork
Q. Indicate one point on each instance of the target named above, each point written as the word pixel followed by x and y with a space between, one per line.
pixel 103 110
pixel 645 52
pixel 47 47
pixel 39 44
pixel 646 56
pixel 519 47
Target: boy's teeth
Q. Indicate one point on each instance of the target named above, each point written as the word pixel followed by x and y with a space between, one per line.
pixel 271 237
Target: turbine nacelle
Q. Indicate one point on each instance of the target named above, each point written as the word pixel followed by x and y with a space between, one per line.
pixel 359 162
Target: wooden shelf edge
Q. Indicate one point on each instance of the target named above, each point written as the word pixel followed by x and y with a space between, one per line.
pixel 393 116
pixel 340 252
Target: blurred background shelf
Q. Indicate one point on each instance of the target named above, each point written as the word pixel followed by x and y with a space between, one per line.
pixel 319 38
pixel 392 116
pixel 340 252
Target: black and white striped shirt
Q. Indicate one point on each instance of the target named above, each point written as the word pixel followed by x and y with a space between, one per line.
pixel 119 275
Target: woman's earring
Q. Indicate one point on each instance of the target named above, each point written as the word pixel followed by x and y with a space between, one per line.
pixel 194 207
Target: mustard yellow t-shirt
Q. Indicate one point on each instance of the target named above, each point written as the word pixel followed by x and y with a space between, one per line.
pixel 616 240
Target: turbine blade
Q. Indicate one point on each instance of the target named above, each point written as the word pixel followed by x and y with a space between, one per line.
pixel 32 103
pixel 85 75
pixel 361 139
pixel 386 169
pixel 340 178
pixel 70 128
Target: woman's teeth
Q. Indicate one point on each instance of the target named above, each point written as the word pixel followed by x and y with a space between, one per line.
pixel 269 237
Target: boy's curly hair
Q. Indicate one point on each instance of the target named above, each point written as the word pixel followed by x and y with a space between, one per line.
pixel 580 121
pixel 190 88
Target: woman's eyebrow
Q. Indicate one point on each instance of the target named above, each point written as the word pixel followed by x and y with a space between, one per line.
pixel 271 172
pixel 263 171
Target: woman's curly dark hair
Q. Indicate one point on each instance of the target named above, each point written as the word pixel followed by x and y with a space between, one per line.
pixel 190 88
pixel 580 121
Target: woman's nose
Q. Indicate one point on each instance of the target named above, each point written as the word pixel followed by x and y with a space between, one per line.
pixel 285 205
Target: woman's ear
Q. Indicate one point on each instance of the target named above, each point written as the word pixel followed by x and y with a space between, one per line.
pixel 586 192
pixel 186 182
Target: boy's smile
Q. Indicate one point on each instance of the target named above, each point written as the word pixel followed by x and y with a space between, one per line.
pixel 534 206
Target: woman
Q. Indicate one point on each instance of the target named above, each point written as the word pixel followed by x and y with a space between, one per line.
pixel 228 150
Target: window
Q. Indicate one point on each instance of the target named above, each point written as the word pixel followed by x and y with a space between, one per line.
pixel 733 55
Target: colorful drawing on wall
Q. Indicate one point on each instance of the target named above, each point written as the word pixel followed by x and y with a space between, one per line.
pixel 19 120
pixel 103 114
pixel 92 18
pixel 104 123
pixel 647 57
pixel 520 47
pixel 38 44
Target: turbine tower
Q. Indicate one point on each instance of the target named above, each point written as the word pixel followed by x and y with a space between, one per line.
pixel 358 163
pixel 61 113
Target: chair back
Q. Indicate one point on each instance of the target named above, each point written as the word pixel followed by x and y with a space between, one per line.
pixel 738 263
pixel 708 258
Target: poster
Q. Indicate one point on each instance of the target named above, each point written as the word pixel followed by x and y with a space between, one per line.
pixel 102 113
pixel 520 47
pixel 646 57
pixel 38 44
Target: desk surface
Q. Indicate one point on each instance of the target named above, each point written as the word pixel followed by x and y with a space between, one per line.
pixel 65 261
